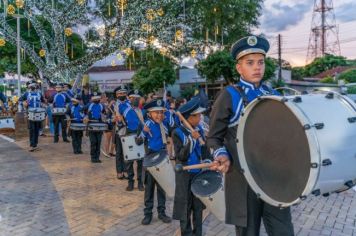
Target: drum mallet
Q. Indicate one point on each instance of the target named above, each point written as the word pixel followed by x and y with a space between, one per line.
pixel 180 167
pixel 186 123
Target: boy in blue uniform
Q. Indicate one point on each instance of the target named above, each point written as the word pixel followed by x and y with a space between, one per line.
pixel 33 99
pixel 60 100
pixel 244 208
pixel 76 113
pixel 94 115
pixel 134 99
pixel 155 133
pixel 127 123
pixel 188 151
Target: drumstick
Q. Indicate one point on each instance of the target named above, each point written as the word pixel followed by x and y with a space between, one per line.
pixel 180 167
pixel 186 123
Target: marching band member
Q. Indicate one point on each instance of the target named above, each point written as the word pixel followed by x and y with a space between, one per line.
pixel 60 100
pixel 188 151
pixel 108 134
pixel 243 207
pixel 95 110
pixel 134 97
pixel 76 113
pixel 155 133
pixel 127 122
pixel 33 99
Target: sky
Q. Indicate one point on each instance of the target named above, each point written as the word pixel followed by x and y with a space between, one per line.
pixel 293 19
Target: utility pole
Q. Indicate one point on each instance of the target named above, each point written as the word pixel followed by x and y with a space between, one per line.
pixel 18 17
pixel 279 58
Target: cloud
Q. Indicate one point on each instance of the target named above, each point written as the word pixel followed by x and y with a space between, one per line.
pixel 346 12
pixel 279 16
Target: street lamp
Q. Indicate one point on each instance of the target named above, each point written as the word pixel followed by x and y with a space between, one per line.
pixel 18 17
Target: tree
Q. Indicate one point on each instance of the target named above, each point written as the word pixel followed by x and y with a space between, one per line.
pixel 322 64
pixel 153 70
pixel 226 20
pixel 123 23
pixel 328 80
pixel 349 76
pixel 217 65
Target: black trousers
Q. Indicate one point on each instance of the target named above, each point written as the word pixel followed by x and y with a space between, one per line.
pixel 278 222
pixel 77 136
pixel 150 184
pixel 34 128
pixel 95 143
pixel 131 173
pixel 195 208
pixel 120 163
pixel 56 120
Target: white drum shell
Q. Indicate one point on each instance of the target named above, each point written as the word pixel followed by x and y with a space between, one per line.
pixel 77 126
pixel 57 111
pixel 97 127
pixel 130 149
pixel 335 141
pixel 165 176
pixel 36 114
pixel 215 203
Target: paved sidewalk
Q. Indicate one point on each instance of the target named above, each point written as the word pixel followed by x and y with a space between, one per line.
pixel 53 192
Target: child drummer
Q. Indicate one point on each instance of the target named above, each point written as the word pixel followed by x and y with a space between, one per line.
pixel 155 133
pixel 75 112
pixel 188 151
pixel 95 110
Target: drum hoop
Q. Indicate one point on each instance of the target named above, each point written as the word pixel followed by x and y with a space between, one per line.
pixel 217 190
pixel 313 145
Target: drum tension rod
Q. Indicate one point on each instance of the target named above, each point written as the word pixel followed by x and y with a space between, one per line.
pixel 316 125
pixel 352 119
pixel 326 162
pixel 316 192
pixel 329 96
pixel 297 99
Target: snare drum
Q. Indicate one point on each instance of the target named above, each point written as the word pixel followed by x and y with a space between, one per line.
pixel 78 126
pixel 130 149
pixel 208 186
pixel 97 127
pixel 58 111
pixel 161 168
pixel 304 145
pixel 36 114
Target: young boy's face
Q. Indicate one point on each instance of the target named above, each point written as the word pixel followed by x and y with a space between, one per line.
pixel 194 120
pixel 157 116
pixel 251 67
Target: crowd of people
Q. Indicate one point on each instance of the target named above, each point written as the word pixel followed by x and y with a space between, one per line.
pixel 156 123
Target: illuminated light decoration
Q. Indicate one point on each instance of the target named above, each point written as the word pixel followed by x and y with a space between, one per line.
pixel 150 14
pixel 128 51
pixel 113 33
pixel 113 63
pixel 160 12
pixel 146 28
pixel 193 53
pixel 151 39
pixel 163 51
pixel 68 31
pixel 42 53
pixel 81 2
pixel 19 3
pixel 101 31
pixel 179 35
pixel 11 9
pixel 2 42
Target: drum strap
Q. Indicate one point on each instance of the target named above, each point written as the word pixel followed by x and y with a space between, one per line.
pixel 140 115
pixel 163 133
pixel 242 94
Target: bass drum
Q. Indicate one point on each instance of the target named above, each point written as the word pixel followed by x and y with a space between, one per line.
pixel 291 147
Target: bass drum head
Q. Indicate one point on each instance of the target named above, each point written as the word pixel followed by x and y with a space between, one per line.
pixel 276 150
pixel 155 158
pixel 206 183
